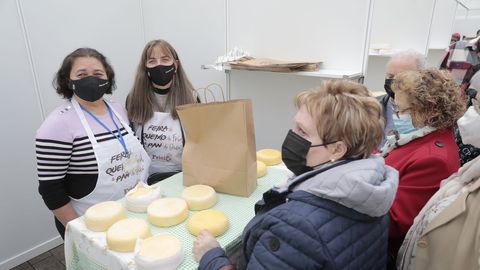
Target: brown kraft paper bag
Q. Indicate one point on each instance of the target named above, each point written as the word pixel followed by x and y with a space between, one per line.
pixel 219 146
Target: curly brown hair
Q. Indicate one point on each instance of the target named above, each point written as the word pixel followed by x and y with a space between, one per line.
pixel 434 97
pixel 62 77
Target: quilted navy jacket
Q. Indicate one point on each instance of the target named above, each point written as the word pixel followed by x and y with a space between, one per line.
pixel 318 231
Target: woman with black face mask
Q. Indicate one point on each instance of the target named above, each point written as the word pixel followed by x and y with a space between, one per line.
pixel 160 85
pixel 333 214
pixel 86 151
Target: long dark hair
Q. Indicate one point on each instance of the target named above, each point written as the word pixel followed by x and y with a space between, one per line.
pixel 141 102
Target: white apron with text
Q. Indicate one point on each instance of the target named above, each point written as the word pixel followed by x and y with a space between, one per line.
pixel 163 141
pixel 118 172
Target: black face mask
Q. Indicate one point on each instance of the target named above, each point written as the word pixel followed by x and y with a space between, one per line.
pixel 90 88
pixel 161 75
pixel 388 88
pixel 294 153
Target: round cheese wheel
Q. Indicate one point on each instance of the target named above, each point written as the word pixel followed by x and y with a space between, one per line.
pixel 261 169
pixel 101 216
pixel 163 251
pixel 215 221
pixel 199 197
pixel 140 197
pixel 122 236
pixel 269 156
pixel 167 212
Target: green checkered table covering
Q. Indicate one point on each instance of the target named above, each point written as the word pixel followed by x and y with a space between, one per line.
pixel 87 250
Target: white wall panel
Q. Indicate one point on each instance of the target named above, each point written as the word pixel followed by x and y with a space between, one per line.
pixel 57 27
pixel 442 24
pixel 402 24
pixel 25 221
pixel 320 30
pixel 196 29
pixel 467 23
pixel 273 98
pixel 435 57
pixel 375 74
pixel 330 31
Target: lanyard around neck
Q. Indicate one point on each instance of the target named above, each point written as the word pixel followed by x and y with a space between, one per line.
pixel 119 135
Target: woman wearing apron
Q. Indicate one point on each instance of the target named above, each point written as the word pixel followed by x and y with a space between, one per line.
pixel 160 85
pixel 86 151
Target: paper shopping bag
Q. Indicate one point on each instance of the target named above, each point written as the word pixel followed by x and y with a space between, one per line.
pixel 219 146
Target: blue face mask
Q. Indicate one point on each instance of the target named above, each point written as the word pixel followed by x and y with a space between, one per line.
pixel 403 123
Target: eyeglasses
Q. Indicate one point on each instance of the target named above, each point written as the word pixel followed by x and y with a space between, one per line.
pixel 398 111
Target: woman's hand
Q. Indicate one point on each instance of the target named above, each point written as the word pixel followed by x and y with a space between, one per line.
pixel 205 241
pixel 65 213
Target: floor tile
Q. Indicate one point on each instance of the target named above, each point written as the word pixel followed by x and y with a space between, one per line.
pixel 58 252
pixel 40 257
pixel 50 263
pixel 23 266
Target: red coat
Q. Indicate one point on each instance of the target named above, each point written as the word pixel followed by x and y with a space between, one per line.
pixel 422 164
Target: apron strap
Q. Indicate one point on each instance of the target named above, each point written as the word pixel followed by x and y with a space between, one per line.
pixel 124 124
pixel 84 122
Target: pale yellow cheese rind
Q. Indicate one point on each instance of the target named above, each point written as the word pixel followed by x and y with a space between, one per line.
pixel 199 197
pixel 138 199
pixel 141 191
pixel 167 212
pixel 215 221
pixel 101 216
pixel 122 236
pixel 261 169
pixel 163 251
pixel 160 246
pixel 269 156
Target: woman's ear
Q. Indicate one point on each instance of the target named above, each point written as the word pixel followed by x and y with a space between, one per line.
pixel 337 150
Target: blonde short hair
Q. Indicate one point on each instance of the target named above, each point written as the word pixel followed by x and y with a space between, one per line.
pixel 345 111
pixel 433 95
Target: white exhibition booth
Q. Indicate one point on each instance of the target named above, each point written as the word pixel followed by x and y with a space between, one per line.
pixel 37 35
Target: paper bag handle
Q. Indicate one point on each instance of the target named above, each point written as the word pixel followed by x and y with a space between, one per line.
pixel 208 88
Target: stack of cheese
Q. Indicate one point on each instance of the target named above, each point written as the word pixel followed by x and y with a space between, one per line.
pixel 267 157
pixel 139 198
